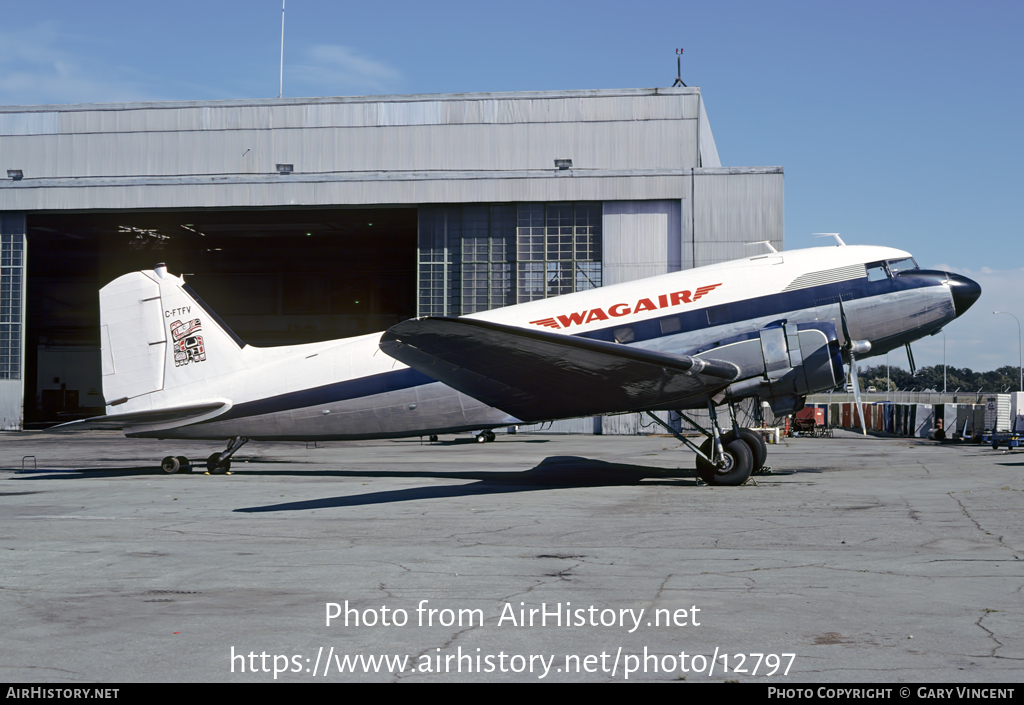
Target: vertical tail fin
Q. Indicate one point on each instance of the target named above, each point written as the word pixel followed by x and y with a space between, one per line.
pixel 160 341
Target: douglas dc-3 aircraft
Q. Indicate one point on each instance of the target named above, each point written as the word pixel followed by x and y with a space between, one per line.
pixel 777 326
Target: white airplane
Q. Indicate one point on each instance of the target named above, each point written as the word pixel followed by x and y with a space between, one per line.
pixel 777 326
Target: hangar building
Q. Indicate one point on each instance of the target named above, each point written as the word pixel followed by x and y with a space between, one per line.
pixel 315 218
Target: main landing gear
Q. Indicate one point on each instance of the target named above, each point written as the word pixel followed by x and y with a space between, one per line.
pixel 723 459
pixel 216 464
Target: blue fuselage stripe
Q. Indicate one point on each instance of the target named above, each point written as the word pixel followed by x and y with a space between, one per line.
pixel 329 394
pixel 760 307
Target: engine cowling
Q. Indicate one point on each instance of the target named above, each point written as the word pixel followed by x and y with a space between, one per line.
pixel 783 363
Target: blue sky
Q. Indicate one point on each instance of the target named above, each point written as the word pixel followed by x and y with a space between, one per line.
pixel 897 123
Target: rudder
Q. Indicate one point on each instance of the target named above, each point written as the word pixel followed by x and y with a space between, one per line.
pixel 158 337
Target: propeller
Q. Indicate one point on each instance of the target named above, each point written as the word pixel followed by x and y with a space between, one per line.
pixel 854 348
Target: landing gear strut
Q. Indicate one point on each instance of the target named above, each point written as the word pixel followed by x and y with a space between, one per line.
pixel 723 459
pixel 220 463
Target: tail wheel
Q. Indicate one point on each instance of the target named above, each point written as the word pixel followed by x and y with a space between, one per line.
pixel 215 467
pixel 170 465
pixel 738 462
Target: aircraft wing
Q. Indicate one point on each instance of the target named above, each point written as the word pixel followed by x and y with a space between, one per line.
pixel 537 375
pixel 180 415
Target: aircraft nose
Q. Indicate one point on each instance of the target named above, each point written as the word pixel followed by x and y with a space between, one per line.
pixel 965 292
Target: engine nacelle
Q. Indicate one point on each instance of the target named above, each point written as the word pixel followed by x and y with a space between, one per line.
pixel 783 363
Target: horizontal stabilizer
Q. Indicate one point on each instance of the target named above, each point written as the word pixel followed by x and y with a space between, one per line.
pixel 179 415
pixel 537 375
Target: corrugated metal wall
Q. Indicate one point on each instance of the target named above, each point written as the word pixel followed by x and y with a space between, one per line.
pixel 453 132
pixel 357 189
pixel 708 149
pixel 647 144
pixel 365 111
pixel 731 207
pixel 641 239
pixel 625 145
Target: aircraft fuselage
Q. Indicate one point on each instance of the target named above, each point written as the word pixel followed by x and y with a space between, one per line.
pixel 350 389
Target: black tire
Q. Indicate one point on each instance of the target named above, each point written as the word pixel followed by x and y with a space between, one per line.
pixel 490 436
pixel 433 439
pixel 216 468
pixel 758 448
pixel 170 465
pixel 186 466
pixel 739 462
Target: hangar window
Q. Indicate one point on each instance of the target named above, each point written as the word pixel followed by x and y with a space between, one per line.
pixel 559 249
pixel 11 260
pixel 480 257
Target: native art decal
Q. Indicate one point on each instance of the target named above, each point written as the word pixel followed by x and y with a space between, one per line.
pixel 187 347
pixel 580 318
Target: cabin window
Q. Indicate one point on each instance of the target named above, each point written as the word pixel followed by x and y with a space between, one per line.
pixel 671 325
pixel 624 334
pixel 719 315
pixel 876 271
pixel 902 265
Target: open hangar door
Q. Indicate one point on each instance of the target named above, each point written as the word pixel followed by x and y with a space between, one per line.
pixel 276 277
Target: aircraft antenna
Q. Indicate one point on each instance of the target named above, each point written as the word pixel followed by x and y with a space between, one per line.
pixel 280 91
pixel 766 243
pixel 679 70
pixel 839 240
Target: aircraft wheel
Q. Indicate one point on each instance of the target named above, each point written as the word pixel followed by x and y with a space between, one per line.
pixel 214 467
pixel 185 465
pixel 433 439
pixel 481 438
pixel 758 448
pixel 170 465
pixel 738 462
pixel 490 436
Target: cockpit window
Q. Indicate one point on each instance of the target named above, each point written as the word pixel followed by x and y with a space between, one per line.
pixel 902 265
pixel 876 271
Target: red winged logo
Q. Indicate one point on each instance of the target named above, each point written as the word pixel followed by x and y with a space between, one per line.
pixel 654 303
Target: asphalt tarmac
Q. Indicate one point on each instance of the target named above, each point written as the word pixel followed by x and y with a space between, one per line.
pixel 533 558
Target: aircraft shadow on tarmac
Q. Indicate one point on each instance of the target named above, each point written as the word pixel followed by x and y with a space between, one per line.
pixel 556 472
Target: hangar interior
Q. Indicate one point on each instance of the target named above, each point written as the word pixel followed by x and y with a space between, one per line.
pixel 276 278
pixel 300 220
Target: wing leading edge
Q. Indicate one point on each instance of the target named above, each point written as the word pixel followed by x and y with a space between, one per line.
pixel 538 376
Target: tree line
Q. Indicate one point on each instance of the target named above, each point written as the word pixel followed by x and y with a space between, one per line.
pixel 1004 379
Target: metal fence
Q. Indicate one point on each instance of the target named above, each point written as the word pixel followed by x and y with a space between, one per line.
pixel 960 397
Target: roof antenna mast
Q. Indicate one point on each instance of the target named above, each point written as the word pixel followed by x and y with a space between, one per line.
pixel 280 91
pixel 679 70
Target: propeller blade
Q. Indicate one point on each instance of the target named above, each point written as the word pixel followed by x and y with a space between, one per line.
pixel 845 325
pixel 910 359
pixel 856 393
